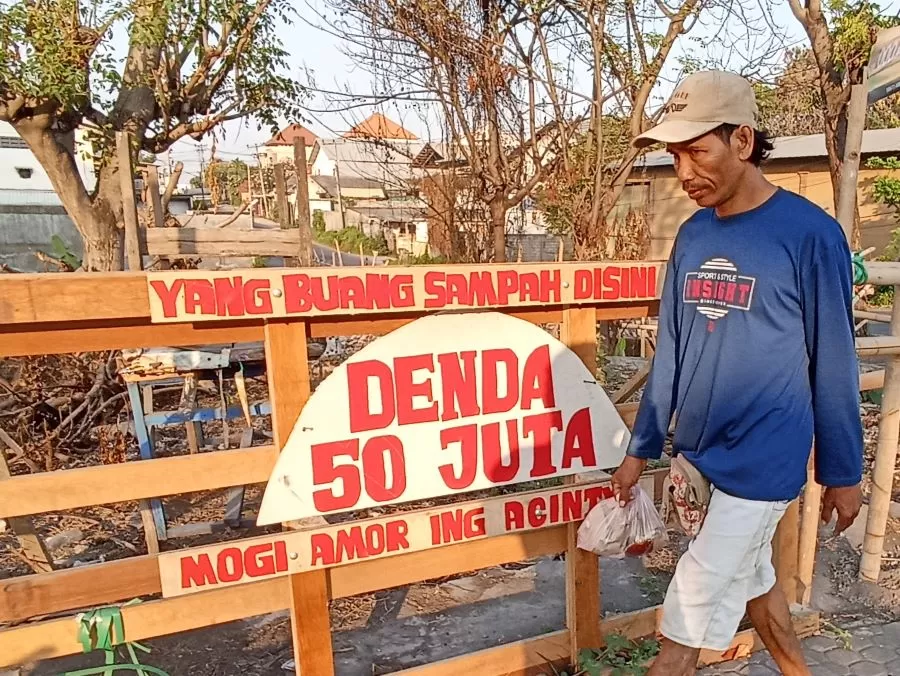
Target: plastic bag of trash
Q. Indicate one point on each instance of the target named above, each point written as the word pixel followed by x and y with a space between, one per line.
pixel 614 531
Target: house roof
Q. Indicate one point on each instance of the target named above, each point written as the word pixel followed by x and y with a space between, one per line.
pixel 329 184
pixel 875 142
pixel 287 135
pixel 377 126
pixel 392 213
pixel 390 163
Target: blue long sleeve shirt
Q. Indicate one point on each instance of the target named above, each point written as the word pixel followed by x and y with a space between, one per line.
pixel 755 353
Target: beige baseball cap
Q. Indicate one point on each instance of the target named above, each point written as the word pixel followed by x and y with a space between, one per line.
pixel 702 102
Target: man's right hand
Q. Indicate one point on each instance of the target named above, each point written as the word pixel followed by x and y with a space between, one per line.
pixel 626 476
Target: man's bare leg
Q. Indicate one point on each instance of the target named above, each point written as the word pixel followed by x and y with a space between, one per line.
pixel 771 618
pixel 675 659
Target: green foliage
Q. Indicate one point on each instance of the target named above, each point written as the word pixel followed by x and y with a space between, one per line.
pixel 424 259
pixel 854 26
pixel 203 61
pixel 228 179
pixel 63 253
pixel 349 239
pixel 318 221
pixel 886 190
pixel 620 657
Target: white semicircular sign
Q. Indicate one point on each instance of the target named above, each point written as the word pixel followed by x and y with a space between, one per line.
pixel 445 404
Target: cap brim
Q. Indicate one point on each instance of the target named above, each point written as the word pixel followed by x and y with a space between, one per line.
pixel 674 131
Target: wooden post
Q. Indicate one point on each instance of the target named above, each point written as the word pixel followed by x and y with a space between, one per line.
pixel 340 256
pixel 159 219
pixel 885 459
pixel 579 332
pixel 304 221
pixel 33 550
pixel 281 196
pixel 129 208
pixel 786 551
pixel 845 209
pixel 288 375
pixel 809 531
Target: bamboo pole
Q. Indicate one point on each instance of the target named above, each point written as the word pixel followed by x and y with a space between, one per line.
pixel 885 460
pixel 809 531
pixel 129 208
pixel 875 345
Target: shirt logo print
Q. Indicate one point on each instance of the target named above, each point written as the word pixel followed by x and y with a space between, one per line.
pixel 717 288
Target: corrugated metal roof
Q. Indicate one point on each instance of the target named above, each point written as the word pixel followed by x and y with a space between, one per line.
pixel 875 142
pixel 387 162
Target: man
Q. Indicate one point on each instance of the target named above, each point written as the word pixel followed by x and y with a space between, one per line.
pixel 755 355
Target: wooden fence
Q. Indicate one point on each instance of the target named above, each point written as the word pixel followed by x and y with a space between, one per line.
pixel 46 314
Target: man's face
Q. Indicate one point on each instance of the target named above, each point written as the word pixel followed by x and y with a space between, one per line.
pixel 710 169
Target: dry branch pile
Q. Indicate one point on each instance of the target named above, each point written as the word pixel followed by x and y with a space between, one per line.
pixel 57 409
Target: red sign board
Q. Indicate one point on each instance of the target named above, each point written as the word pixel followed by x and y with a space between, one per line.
pixel 446 404
pixel 196 295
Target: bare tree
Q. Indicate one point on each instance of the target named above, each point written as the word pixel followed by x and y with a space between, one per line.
pixel 477 62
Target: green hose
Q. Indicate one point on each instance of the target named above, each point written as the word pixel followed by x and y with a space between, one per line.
pixel 860 275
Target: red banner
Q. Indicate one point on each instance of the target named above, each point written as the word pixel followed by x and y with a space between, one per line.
pixel 195 295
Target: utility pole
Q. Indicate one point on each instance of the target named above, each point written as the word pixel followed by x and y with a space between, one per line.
pixel 201 148
pixel 262 183
pixel 337 178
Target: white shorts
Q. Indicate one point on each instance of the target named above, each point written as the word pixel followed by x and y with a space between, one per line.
pixel 728 564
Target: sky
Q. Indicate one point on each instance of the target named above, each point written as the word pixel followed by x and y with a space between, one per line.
pixel 315 50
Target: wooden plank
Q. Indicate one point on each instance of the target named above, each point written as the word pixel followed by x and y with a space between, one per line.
pixel 531 656
pixel 24 340
pixel 873 380
pixel 29 596
pixel 289 390
pixel 42 298
pixel 787 551
pixel 159 217
pixel 579 332
pixel 123 482
pixel 281 198
pixel 32 546
pixel 809 532
pixel 632 385
pixel 221 242
pixel 304 222
pixel 129 208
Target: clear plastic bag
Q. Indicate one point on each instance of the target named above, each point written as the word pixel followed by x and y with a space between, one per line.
pixel 614 531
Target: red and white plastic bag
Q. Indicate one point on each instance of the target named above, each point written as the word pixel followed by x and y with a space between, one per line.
pixel 614 531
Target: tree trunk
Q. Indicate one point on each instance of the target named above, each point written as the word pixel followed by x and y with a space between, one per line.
pixel 498 226
pixel 95 219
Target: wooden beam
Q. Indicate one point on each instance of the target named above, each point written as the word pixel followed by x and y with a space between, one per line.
pixel 134 480
pixel 787 551
pixel 129 208
pixel 219 242
pixel 42 298
pixel 29 596
pixel 281 198
pixel 533 655
pixel 579 332
pixel 632 385
pixel 289 390
pixel 159 216
pixel 32 546
pixel 809 532
pixel 873 380
pixel 304 222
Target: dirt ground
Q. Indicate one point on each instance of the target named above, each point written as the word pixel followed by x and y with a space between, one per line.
pixel 399 628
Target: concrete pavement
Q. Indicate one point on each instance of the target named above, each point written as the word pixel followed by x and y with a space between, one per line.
pixel 867 651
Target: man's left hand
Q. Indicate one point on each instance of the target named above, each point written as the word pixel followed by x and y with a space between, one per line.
pixel 846 500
